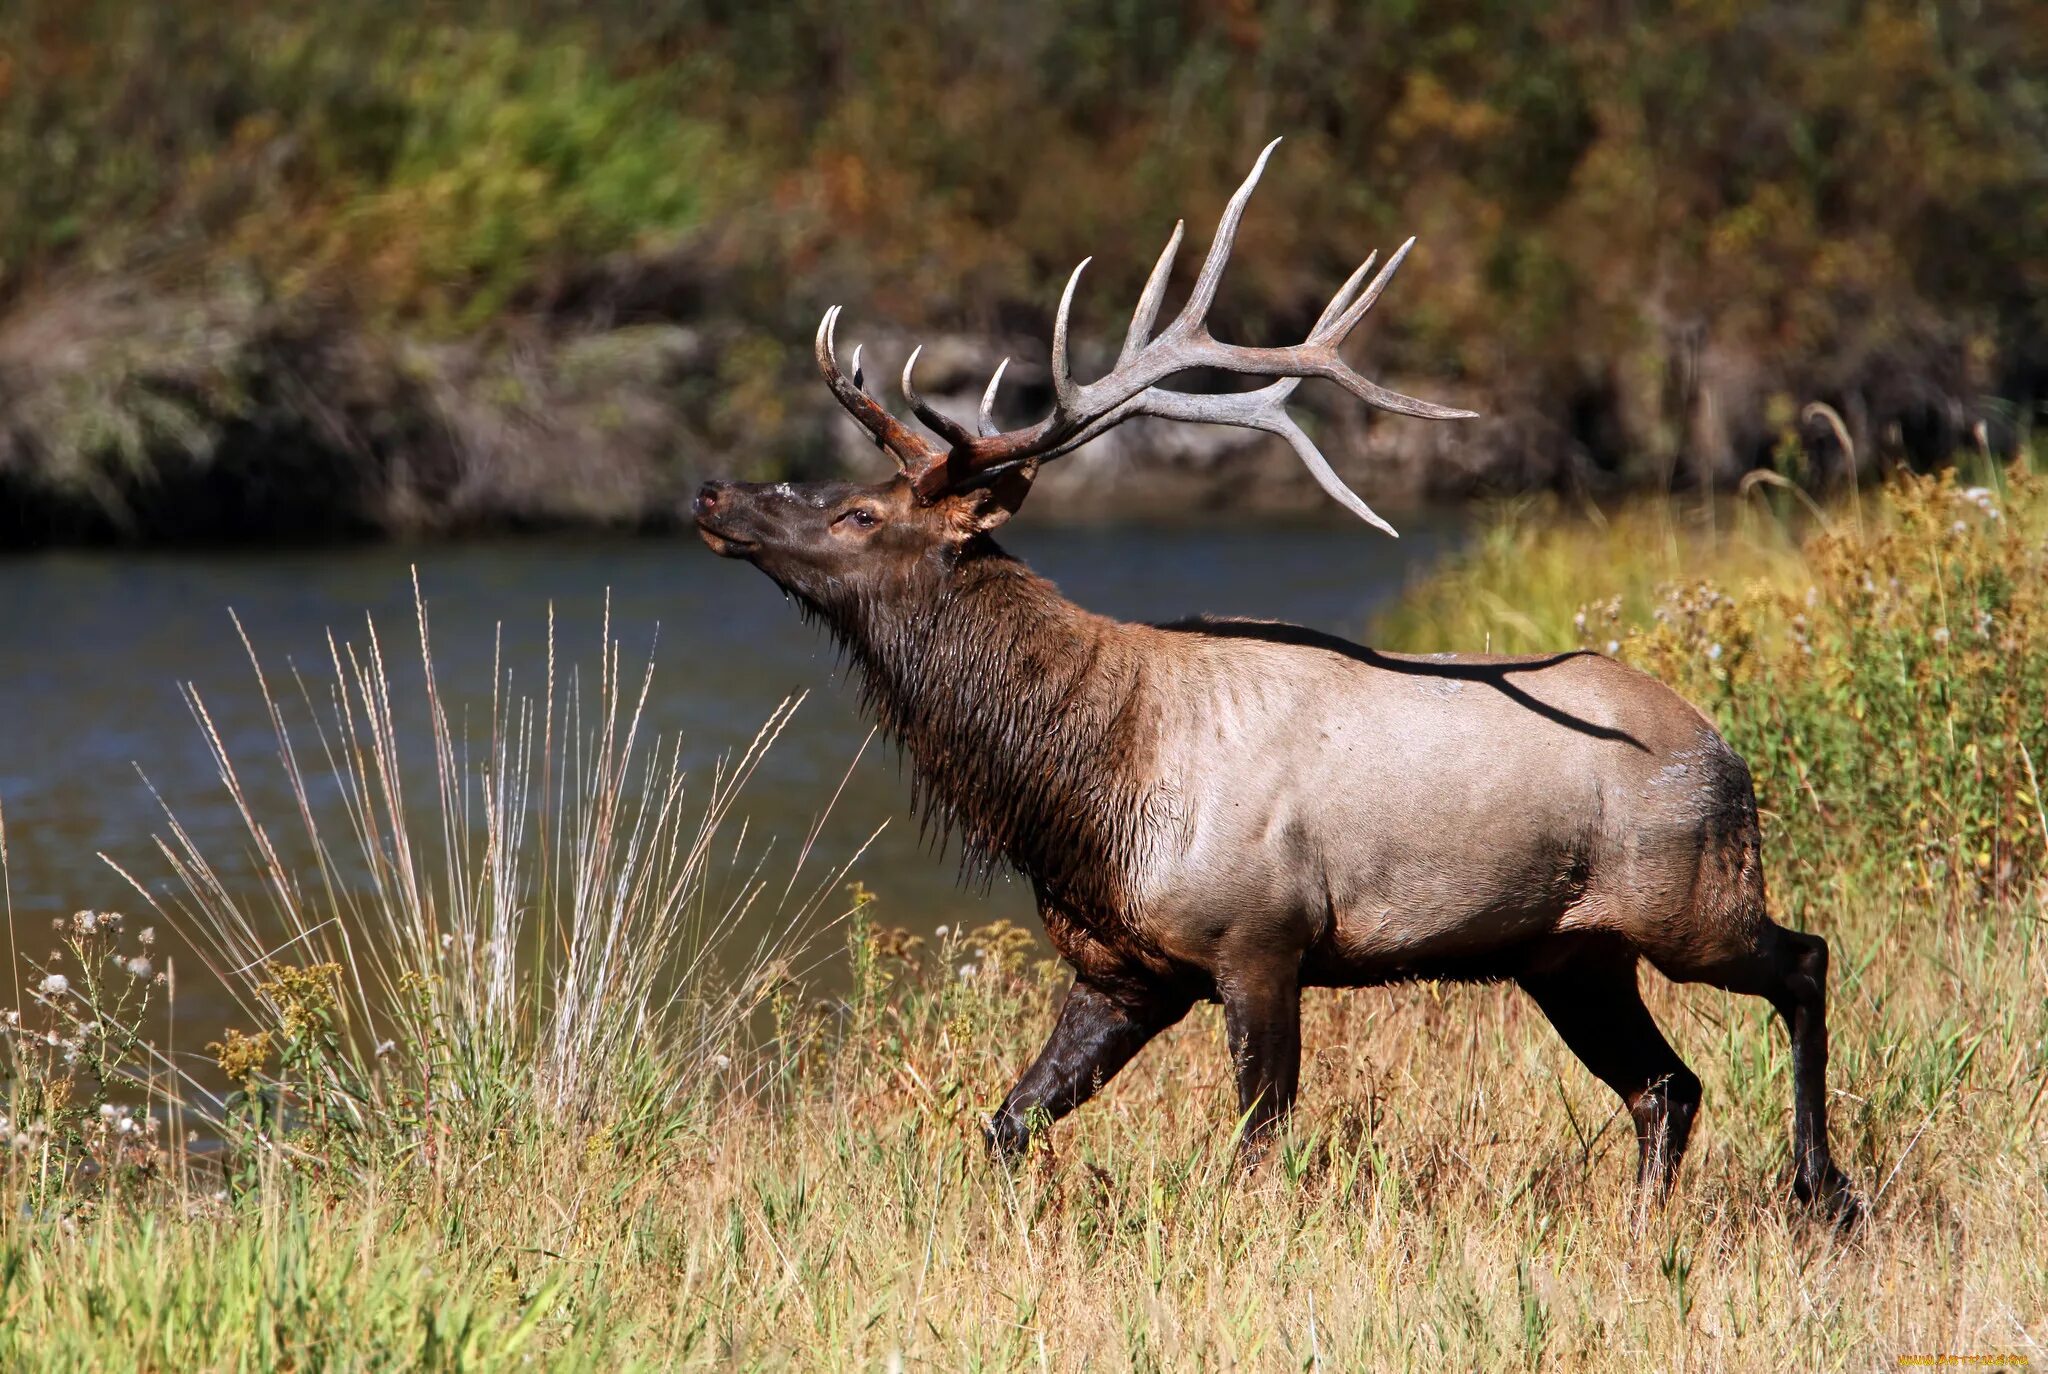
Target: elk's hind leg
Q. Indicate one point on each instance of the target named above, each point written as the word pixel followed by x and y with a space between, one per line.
pixel 1789 968
pixel 1596 1007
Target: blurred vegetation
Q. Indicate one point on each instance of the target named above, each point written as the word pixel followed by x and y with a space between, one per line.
pixel 1622 208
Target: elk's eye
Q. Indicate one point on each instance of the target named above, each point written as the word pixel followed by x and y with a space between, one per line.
pixel 861 517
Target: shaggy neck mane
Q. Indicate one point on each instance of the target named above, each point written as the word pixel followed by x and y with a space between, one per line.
pixel 1022 716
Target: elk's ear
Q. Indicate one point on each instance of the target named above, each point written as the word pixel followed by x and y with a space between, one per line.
pixel 984 508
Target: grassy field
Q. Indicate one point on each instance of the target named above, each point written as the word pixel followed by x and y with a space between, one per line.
pixel 648 1145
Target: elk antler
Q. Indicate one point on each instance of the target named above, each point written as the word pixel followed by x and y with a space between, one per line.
pixel 1082 411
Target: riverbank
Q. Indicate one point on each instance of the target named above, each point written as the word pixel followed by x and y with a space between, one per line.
pixel 457 1171
pixel 273 272
pixel 224 416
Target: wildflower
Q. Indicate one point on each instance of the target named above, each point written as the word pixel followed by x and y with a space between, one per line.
pixel 942 931
pixel 147 935
pixel 385 1047
pixel 139 967
pixel 1960 527
pixel 1714 652
pixel 11 1017
pixel 85 922
pixel 1613 646
pixel 108 1111
pixel 1941 634
pixel 1976 494
pixel 966 971
pixel 722 1061
pixel 55 985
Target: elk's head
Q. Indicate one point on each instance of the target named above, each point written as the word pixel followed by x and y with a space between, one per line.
pixel 825 540
pixel 830 542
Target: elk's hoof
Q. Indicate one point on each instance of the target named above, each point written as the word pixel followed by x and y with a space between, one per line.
pixel 1007 1140
pixel 1833 1199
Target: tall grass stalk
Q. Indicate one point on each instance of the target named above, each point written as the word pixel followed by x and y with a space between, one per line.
pixel 567 921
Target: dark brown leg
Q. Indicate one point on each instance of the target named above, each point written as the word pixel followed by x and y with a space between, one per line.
pixel 1262 1022
pixel 1097 1033
pixel 1790 969
pixel 1599 1012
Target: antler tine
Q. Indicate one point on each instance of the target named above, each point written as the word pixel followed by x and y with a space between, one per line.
pixel 912 454
pixel 858 380
pixel 986 419
pixel 1339 331
pixel 1196 311
pixel 941 424
pixel 1140 332
pixel 1345 293
pixel 1065 393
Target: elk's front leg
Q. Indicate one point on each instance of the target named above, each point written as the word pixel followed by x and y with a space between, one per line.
pixel 1098 1032
pixel 1262 1021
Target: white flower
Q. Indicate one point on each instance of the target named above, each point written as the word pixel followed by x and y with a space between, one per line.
pixel 147 935
pixel 1613 646
pixel 55 985
pixel 85 922
pixel 1976 494
pixel 942 932
pixel 722 1061
pixel 1714 652
pixel 1960 527
pixel 966 971
pixel 385 1047
pixel 1941 634
pixel 139 967
pixel 108 1111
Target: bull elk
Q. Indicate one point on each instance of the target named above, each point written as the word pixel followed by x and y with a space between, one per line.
pixel 1233 810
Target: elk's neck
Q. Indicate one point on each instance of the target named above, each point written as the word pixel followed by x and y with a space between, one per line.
pixel 1026 719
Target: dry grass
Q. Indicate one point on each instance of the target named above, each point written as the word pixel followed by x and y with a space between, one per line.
pixel 1456 1191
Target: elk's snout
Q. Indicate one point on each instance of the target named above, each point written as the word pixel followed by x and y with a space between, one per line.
pixel 726 519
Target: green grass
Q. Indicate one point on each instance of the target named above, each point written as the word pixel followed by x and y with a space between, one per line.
pixel 811 1193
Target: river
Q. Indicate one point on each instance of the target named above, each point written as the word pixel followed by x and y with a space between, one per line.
pixel 94 645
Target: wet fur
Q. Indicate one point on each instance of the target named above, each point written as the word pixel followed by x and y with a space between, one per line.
pixel 1023 721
